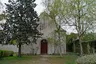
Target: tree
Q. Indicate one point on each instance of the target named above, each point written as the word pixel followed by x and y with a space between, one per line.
pixel 52 12
pixel 22 22
pixel 81 15
pixel 58 45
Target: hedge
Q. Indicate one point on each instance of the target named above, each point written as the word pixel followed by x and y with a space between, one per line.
pixel 88 59
pixel 6 53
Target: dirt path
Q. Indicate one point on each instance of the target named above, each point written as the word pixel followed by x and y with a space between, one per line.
pixel 42 60
pixel 46 59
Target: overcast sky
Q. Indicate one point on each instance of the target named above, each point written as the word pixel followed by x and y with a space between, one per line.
pixel 39 8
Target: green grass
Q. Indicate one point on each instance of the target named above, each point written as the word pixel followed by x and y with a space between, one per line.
pixel 17 60
pixel 52 59
pixel 66 59
pixel 70 59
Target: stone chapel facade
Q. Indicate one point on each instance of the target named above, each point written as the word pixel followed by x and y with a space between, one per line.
pixel 43 46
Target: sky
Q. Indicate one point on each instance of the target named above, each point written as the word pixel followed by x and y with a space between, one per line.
pixel 39 8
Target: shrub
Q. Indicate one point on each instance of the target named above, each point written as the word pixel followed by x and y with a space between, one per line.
pixel 0 53
pixel 5 53
pixel 88 59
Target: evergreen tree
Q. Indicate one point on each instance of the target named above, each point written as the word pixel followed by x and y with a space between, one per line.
pixel 22 22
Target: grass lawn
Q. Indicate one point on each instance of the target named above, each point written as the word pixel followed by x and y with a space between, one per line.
pixel 66 59
pixel 53 59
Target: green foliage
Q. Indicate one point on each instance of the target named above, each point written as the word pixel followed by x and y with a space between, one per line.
pixel 55 37
pixel 2 16
pixel 50 40
pixel 80 14
pixel 70 38
pixel 53 12
pixel 89 37
pixel 88 59
pixel 2 36
pixel 12 42
pixel 6 53
pixel 22 22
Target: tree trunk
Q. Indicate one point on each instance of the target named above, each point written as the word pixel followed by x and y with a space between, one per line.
pixel 19 50
pixel 88 48
pixel 59 36
pixel 60 50
pixel 93 49
pixel 81 48
pixel 74 48
pixel 54 48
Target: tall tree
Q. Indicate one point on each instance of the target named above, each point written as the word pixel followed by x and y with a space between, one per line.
pixel 52 12
pixel 79 14
pixel 22 22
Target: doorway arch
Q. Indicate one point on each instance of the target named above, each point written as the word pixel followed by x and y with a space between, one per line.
pixel 44 46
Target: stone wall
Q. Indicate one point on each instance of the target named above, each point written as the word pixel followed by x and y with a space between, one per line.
pixel 9 47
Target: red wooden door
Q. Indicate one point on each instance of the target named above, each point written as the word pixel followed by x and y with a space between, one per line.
pixel 43 47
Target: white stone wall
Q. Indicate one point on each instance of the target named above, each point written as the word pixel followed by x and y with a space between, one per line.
pixel 47 29
pixel 36 48
pixel 9 47
pixel 50 48
pixel 32 48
